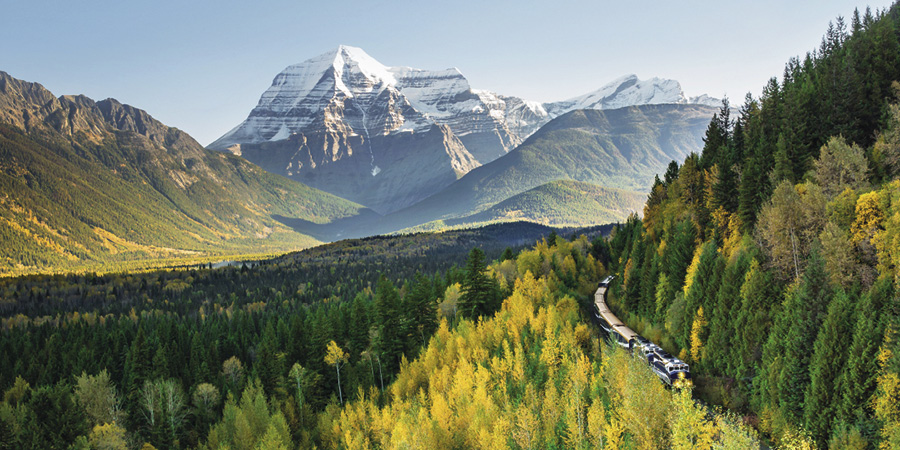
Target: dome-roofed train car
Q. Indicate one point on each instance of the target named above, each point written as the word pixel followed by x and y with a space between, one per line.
pixel 617 331
pixel 670 369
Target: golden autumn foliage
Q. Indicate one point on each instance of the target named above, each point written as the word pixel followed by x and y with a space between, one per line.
pixel 534 376
pixel 868 217
pixel 692 270
pixel 887 240
pixel 108 436
pixel 696 332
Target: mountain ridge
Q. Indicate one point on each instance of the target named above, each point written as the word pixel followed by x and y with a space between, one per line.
pixel 345 109
pixel 87 183
pixel 624 148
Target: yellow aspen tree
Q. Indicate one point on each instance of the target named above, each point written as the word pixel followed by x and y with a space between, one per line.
pixel 550 414
pixel 696 335
pixel 690 428
pixel 887 241
pixel 336 356
pixel 614 434
pixel 441 413
pixel 596 424
pixel 732 434
pixel 576 384
pixel 796 440
pixel 868 217
pixel 526 430
pixel 550 351
pixel 108 436
pixel 692 270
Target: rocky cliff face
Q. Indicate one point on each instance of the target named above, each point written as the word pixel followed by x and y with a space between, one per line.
pixel 345 114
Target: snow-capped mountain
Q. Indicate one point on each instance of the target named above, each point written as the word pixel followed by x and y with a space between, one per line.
pixel 629 91
pixel 342 122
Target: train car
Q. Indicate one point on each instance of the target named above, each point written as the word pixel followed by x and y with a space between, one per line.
pixel 669 369
pixel 617 331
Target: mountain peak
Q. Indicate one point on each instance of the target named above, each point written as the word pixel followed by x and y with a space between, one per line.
pixel 630 90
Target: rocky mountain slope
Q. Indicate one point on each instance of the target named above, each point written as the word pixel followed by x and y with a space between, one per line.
pixel 84 182
pixel 349 125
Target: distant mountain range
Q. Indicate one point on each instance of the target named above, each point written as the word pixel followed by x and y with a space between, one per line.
pixel 364 149
pixel 388 137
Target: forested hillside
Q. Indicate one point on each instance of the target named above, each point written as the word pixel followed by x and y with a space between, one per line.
pixel 770 261
pixel 86 184
pixel 417 362
pixel 558 204
pixel 532 376
pixel 126 337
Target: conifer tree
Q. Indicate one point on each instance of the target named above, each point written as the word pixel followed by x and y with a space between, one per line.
pixel 53 419
pixel 722 338
pixel 857 382
pixel 480 294
pixel 806 308
pixel 633 271
pixel 270 362
pixel 828 360
pixel 389 340
pixel 137 367
pixel 784 170
pixel 677 258
pixel 420 310
pixel 701 292
pixel 671 173
pixel 358 330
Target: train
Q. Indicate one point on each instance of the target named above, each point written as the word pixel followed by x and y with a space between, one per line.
pixel 671 370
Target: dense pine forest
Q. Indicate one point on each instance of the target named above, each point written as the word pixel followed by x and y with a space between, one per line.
pixel 770 261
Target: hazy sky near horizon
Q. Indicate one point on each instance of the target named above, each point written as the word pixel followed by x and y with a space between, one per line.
pixel 202 65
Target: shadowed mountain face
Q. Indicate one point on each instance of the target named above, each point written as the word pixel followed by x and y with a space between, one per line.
pixel 385 172
pixel 347 124
pixel 85 182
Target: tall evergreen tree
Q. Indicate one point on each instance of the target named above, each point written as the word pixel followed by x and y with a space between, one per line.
pixel 721 335
pixel 270 363
pixel 359 325
pixel 54 420
pixel 677 258
pixel 806 307
pixel 857 382
pixel 671 173
pixel 389 341
pixel 420 311
pixel 829 357
pixel 480 294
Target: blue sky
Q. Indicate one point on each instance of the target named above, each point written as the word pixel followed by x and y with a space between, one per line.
pixel 201 65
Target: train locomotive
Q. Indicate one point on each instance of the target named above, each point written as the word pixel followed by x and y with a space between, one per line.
pixel 671 370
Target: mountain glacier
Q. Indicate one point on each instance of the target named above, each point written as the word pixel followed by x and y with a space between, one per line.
pixel 346 110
